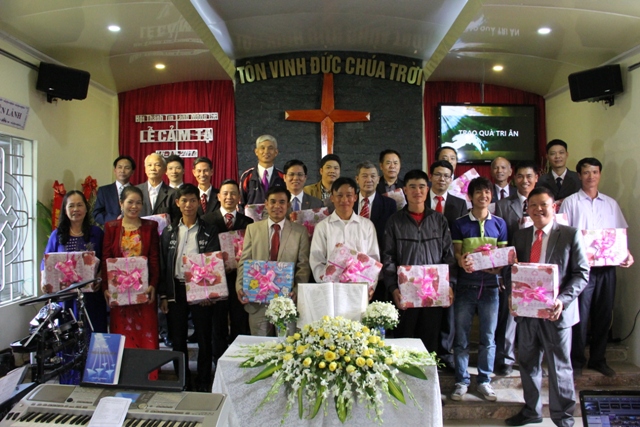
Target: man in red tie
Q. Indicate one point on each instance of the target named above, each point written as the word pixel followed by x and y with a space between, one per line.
pixel 548 242
pixel 202 171
pixel 256 181
pixel 273 239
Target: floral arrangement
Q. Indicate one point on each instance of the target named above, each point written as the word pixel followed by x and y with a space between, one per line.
pixel 381 314
pixel 280 311
pixel 339 358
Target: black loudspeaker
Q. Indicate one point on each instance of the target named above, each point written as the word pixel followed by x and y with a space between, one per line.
pixel 62 82
pixel 596 84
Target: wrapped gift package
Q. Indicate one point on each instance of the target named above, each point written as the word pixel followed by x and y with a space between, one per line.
pixel 309 218
pixel 231 243
pixel 163 221
pixel 606 246
pixel 263 280
pixel 204 277
pixel 62 269
pixel 484 257
pixel 425 285
pixel 534 288
pixel 128 280
pixel 346 265
pixel 256 212
pixel 398 196
pixel 460 185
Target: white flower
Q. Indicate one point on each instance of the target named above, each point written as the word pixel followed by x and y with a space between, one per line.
pixel 381 314
pixel 281 310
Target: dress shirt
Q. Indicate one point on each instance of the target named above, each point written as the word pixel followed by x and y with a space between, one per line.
pixel 208 193
pixel 556 176
pixel 505 188
pixel 392 187
pixel 281 224
pixel 176 186
pixel 299 197
pixel 269 172
pixel 223 211
pixel 585 213
pixel 187 244
pixel 120 187
pixel 434 201
pixel 361 202
pixel 521 198
pixel 153 194
pixel 545 240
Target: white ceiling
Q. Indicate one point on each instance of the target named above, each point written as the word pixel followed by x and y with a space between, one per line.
pixel 458 40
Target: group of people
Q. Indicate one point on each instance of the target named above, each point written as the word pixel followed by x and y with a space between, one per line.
pixel 434 227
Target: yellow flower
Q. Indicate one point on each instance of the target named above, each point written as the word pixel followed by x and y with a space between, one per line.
pixel 321 332
pixel 318 353
pixel 342 351
pixel 301 349
pixel 352 352
pixel 307 362
pixel 288 349
pixel 366 352
pixel 374 339
pixel 322 365
pixel 279 347
pixel 333 366
pixel 332 347
pixel 372 352
pixel 290 340
pixel 326 318
pixel 365 329
pixel 329 356
pixel 287 356
pixel 370 363
pixel 358 334
pixel 360 361
pixel 347 359
pixel 296 336
pixel 327 335
pixel 381 343
pixel 388 361
pixel 351 369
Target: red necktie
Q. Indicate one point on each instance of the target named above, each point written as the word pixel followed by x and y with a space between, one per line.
pixel 439 204
pixel 536 248
pixel 203 202
pixel 229 221
pixel 365 208
pixel 275 243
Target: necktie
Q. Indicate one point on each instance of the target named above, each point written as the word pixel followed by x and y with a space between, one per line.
pixel 265 181
pixel 503 194
pixel 536 248
pixel 364 212
pixel 559 182
pixel 296 204
pixel 439 204
pixel 525 205
pixel 203 202
pixel 228 221
pixel 275 243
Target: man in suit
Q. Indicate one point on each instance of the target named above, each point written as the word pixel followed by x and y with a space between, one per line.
pixel 107 205
pixel 256 181
pixel 157 197
pixel 452 208
pixel 500 172
pixel 175 171
pixel 550 243
pixel 374 206
pixel 512 210
pixel 273 239
pixel 329 171
pixel 202 171
pixel 560 180
pixel 450 155
pixel 390 169
pixel 295 176
pixel 231 319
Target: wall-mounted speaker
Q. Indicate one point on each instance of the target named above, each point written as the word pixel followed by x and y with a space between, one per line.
pixel 596 84
pixel 62 82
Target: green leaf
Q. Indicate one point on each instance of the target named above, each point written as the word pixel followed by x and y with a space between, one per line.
pixel 394 388
pixel 250 363
pixel 341 410
pixel 318 404
pixel 303 384
pixel 266 373
pixel 413 371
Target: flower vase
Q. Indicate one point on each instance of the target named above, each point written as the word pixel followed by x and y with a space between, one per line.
pixel 381 331
pixel 281 332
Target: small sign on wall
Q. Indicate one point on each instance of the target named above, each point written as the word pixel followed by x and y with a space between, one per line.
pixel 13 114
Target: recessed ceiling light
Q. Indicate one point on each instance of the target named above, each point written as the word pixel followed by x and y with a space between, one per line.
pixel 498 68
pixel 544 30
pixel 113 28
pixel 160 66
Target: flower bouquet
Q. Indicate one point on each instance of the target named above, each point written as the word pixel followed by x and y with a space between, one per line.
pixel 340 360
pixel 381 316
pixel 280 312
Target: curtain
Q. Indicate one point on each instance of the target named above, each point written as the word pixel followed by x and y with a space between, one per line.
pixel 460 92
pixel 176 98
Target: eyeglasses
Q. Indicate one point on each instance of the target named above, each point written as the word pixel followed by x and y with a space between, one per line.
pixel 441 176
pixel 294 175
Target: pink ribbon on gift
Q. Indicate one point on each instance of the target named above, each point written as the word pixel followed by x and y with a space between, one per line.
pixel 487 247
pixel 238 242
pixel 603 246
pixel 265 283
pixel 67 269
pixel 538 293
pixel 353 272
pixel 309 226
pixel 426 290
pixel 206 273
pixel 129 280
pixel 465 184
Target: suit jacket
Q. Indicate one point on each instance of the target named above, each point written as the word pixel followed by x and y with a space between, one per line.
pixel 213 204
pixel 308 202
pixel 216 218
pixel 566 250
pixel 570 185
pixel 510 209
pixel 379 212
pixel 294 247
pixel 495 197
pixel 165 202
pixel 107 205
pixel 380 188
pixel 454 208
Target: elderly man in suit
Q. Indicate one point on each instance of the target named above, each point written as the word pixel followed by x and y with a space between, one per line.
pixel 107 206
pixel 273 239
pixel 256 181
pixel 202 171
pixel 560 180
pixel 452 208
pixel 295 176
pixel 550 243
pixel 500 173
pixel 157 197
pixel 513 211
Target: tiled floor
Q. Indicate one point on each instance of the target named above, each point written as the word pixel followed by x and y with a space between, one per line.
pixel 485 423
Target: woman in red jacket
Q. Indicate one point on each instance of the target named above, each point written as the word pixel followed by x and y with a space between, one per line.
pixel 133 236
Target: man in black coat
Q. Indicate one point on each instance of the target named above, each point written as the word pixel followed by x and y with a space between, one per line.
pixel 560 180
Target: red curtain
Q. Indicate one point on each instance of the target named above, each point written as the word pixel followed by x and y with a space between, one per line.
pixel 176 98
pixel 460 92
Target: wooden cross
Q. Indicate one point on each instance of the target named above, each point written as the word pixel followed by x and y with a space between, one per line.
pixel 327 115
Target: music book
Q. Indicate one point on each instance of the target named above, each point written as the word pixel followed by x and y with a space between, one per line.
pixel 316 300
pixel 104 359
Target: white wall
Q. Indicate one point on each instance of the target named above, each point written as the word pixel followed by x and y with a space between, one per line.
pixel 610 134
pixel 74 139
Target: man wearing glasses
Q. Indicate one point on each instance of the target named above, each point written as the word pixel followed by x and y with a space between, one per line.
pixel 295 176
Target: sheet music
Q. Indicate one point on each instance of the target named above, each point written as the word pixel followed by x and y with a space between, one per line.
pixel 316 300
pixel 110 412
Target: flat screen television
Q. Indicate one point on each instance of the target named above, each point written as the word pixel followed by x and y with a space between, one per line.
pixel 482 132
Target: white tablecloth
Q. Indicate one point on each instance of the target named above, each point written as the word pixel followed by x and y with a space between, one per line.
pixel 244 399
